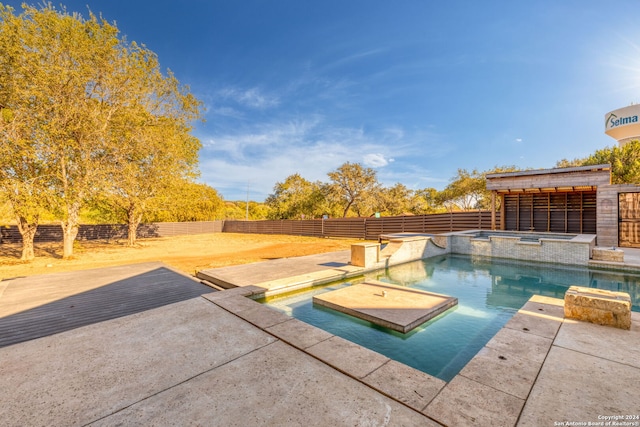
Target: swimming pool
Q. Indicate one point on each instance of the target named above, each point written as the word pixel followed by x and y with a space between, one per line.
pixel 489 292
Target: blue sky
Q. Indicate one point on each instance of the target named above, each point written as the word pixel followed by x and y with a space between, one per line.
pixel 413 89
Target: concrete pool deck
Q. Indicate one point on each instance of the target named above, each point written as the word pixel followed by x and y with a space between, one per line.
pixel 145 345
pixel 285 273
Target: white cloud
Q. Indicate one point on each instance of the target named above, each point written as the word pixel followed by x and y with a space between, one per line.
pixel 394 133
pixel 252 97
pixel 275 138
pixel 518 139
pixel 268 153
pixel 262 172
pixel 227 112
pixel 354 57
pixel 375 160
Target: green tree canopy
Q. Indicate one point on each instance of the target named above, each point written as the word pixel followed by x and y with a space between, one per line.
pixel 23 177
pixel 185 200
pixel 52 84
pixel 624 161
pixel 425 201
pixel 394 200
pixel 352 184
pixel 295 198
pixel 84 112
pixel 468 190
pixel 238 210
pixel 465 191
pixel 151 128
pixel 566 163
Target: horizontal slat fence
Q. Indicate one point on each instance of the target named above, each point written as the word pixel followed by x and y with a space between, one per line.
pixel 53 232
pixel 367 228
pixel 357 228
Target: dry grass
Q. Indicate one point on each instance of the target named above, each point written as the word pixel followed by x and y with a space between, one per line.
pixel 185 253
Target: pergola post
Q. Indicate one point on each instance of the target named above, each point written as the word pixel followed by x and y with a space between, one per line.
pixel 493 209
pixel 503 215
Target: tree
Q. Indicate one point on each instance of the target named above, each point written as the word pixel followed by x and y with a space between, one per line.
pixel 6 212
pixel 394 200
pixel 233 210
pixel 295 198
pixel 238 210
pixel 566 163
pixel 258 211
pixel 151 128
pixel 186 201
pixel 98 110
pixel 352 184
pixel 23 173
pixel 464 192
pixel 27 207
pixel 425 201
pixel 468 190
pixel 624 161
pixel 55 65
pixel 20 170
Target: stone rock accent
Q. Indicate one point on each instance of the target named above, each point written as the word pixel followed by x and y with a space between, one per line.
pixel 607 254
pixel 598 306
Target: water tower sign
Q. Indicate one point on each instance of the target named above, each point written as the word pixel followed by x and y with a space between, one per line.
pixel 623 124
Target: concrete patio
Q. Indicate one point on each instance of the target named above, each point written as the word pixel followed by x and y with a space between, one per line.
pixel 145 345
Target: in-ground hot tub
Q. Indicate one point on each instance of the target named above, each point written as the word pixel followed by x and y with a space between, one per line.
pixel 525 236
pixel 573 249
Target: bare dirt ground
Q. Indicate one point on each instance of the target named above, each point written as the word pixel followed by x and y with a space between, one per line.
pixel 185 253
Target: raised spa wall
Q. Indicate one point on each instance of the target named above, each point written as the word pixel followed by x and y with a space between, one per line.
pixel 541 247
pixel 397 251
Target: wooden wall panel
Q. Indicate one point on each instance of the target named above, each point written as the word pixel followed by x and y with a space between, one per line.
pixel 562 212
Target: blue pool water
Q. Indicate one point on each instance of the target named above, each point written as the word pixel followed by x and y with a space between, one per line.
pixel 489 292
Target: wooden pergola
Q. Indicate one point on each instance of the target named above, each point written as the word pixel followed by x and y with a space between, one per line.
pixel 548 200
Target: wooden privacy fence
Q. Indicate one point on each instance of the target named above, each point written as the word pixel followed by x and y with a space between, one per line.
pixel 53 232
pixel 367 228
pixel 358 228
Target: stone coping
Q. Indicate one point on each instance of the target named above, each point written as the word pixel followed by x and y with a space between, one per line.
pixel 494 388
pixel 402 383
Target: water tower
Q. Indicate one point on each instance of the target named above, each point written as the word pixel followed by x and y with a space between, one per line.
pixel 623 124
